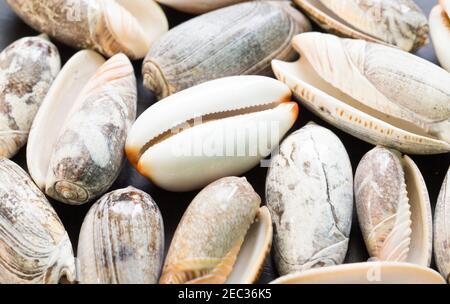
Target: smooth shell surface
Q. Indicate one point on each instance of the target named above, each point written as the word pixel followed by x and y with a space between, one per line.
pixel 27 70
pixel 237 40
pixel 365 273
pixel 309 191
pixel 393 207
pixel 381 98
pixel 400 23
pixel 440 33
pixel 442 229
pixel 198 6
pixel 122 240
pixel 107 26
pixel 209 237
pixel 34 246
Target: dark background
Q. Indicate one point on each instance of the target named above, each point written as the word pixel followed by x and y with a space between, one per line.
pixel 173 205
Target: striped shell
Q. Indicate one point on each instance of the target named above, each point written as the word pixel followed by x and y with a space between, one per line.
pixel 238 40
pixel 393 208
pixel 440 32
pixel 107 26
pixel 198 6
pixel 27 70
pixel 122 240
pixel 442 229
pixel 34 246
pixel 309 192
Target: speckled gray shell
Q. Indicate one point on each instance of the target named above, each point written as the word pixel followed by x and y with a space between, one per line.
pixel 309 192
pixel 121 240
pixel 34 246
pixel 211 230
pixel 27 70
pixel 442 229
pixel 238 40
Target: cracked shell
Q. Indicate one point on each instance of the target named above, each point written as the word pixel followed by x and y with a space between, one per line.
pixel 442 229
pixel 393 208
pixel 107 26
pixel 309 192
pixel 34 246
pixel 198 6
pixel 440 32
pixel 238 40
pixel 381 98
pixel 122 240
pixel 218 239
pixel 400 23
pixel 27 70
pixel 76 145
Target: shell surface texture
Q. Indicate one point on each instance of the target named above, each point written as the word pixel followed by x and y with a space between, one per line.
pixel 442 229
pixel 34 246
pixel 238 40
pixel 107 26
pixel 122 240
pixel 440 32
pixel 393 208
pixel 388 97
pixel 198 6
pixel 85 118
pixel 309 192
pixel 399 23
pixel 210 235
pixel 220 128
pixel 27 69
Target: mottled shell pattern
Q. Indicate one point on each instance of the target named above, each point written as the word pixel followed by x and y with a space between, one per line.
pixel 34 246
pixel 442 229
pixel 27 70
pixel 309 192
pixel 238 40
pixel 382 97
pixel 440 32
pixel 209 237
pixel 198 6
pixel 393 208
pixel 400 23
pixel 121 240
pixel 107 26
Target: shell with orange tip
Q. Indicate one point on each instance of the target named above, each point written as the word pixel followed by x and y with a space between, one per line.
pixel 76 144
pixel 380 99
pixel 223 237
pixel 107 26
pixel 440 32
pixel 365 273
pixel 442 229
pixel 198 6
pixel 219 128
pixel 393 208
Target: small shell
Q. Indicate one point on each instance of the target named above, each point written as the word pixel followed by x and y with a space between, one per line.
pixel 209 237
pixel 393 207
pixel 440 32
pixel 381 98
pixel 365 273
pixel 27 70
pixel 238 40
pixel 198 6
pixel 122 240
pixel 442 229
pixel 309 192
pixel 34 246
pixel 107 26
pixel 401 23
pixel 77 156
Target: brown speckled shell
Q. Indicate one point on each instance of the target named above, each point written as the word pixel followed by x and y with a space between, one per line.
pixel 27 70
pixel 122 240
pixel 442 229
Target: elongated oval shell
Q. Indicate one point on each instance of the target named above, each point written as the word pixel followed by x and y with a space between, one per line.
pixel 198 6
pixel 107 26
pixel 440 33
pixel 209 237
pixel 401 23
pixel 237 40
pixel 27 70
pixel 365 273
pixel 309 191
pixel 442 229
pixel 34 246
pixel 393 208
pixel 381 98
pixel 122 240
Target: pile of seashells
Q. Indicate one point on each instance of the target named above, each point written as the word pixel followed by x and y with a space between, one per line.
pixel 212 76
